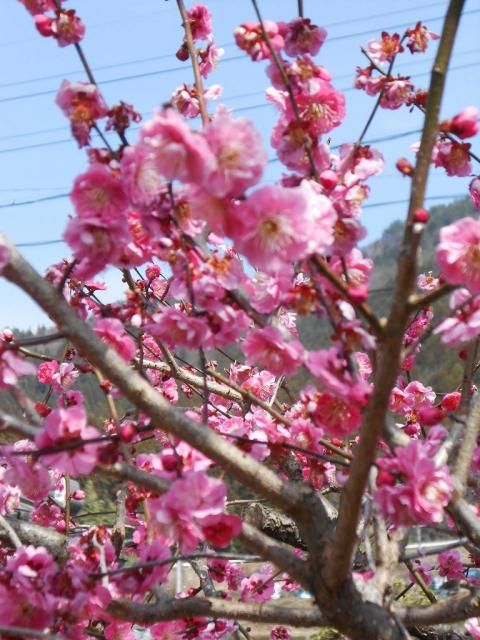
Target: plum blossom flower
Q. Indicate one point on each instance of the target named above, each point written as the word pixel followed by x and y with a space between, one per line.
pixel 303 37
pixel 465 124
pixel 458 254
pixel 248 37
pixel 334 415
pixel 280 633
pixel 209 58
pixel 465 323
pixel 177 152
pixel 269 348
pixel 13 367
pixel 83 104
pixel 258 587
pixel 178 329
pixel 272 227
pixel 419 38
pixel 238 149
pixel 112 331
pixel 200 20
pixel 452 156
pixel 64 427
pixel 34 7
pixel 60 375
pixel 66 27
pixel 451 565
pixel 427 281
pixel 423 489
pixel 178 513
pixel 472 625
pixel 386 49
pixel 185 99
pixel 98 193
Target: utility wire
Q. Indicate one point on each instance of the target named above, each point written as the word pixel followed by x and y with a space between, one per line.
pixel 231 59
pixel 253 107
pixel 44 243
pixel 222 46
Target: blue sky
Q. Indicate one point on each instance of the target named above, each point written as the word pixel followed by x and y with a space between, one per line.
pixel 131 47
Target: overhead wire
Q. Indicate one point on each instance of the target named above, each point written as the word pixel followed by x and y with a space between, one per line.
pixel 42 243
pixel 222 46
pixel 231 59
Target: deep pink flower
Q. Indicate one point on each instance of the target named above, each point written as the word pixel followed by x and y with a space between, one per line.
pixel 451 565
pixel 96 243
pixel 465 124
pixel 238 149
pixel 269 348
pixel 272 227
pixel 12 367
pixel 336 416
pixel 472 625
pixel 453 156
pixel 397 92
pixel 83 104
pixel 258 587
pixel 185 99
pixel 423 489
pixel 178 153
pixel 464 324
pixel 280 633
pixel 64 427
pixel 142 182
pixel 208 59
pixel 35 7
pixel 386 49
pixel 458 254
pixel 303 37
pixel 248 37
pixel 66 27
pixel 200 20
pixel 178 329
pixel 119 631
pixel 219 530
pixel 419 38
pixel 112 331
pixel 98 193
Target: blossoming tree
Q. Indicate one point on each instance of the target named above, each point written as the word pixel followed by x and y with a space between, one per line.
pixel 210 257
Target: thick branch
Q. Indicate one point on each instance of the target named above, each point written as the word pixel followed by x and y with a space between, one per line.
pixel 339 564
pixel 242 466
pixel 188 607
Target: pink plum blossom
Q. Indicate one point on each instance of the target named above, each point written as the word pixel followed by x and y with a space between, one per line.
pixel 386 49
pixel 35 7
pixel 303 37
pixel 465 124
pixel 453 156
pixel 272 227
pixel 200 20
pixel 451 565
pixel 66 27
pixel 258 587
pixel 458 254
pixel 13 367
pixel 423 489
pixel 464 324
pixel 83 104
pixel 178 329
pixel 239 152
pixel 98 193
pixel 269 348
pixel 65 427
pixel 248 37
pixel 419 38
pixel 177 152
pixel 112 331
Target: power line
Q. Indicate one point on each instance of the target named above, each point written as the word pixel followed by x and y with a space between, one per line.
pixel 231 59
pixel 44 243
pixel 253 107
pixel 227 44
